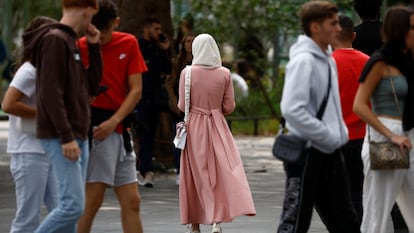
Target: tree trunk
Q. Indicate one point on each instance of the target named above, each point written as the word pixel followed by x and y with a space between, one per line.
pixel 132 14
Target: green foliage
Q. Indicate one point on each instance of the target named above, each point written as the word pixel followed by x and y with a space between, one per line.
pixel 253 28
pixel 26 10
pixel 266 127
pixel 255 106
pixel 229 20
pixel 22 11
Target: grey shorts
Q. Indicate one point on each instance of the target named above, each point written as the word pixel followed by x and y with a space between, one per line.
pixel 110 164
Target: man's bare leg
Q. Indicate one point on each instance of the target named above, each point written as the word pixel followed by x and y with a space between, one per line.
pixel 130 201
pixel 95 193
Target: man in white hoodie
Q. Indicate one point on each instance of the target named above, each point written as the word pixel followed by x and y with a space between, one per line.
pixel 320 180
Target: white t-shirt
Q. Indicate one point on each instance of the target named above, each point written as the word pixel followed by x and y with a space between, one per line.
pixel 241 89
pixel 18 142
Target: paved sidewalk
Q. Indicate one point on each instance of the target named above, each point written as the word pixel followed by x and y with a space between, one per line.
pixel 159 209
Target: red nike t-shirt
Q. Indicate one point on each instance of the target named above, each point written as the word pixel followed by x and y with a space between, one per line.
pixel 121 58
pixel 350 63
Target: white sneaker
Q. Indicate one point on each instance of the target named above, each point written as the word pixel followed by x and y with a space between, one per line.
pixel 216 228
pixel 177 179
pixel 189 230
pixel 140 178
pixel 149 180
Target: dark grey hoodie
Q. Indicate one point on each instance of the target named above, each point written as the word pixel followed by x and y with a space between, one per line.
pixel 63 85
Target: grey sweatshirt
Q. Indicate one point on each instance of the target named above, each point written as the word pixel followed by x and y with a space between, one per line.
pixel 306 84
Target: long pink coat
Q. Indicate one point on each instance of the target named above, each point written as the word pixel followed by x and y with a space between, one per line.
pixel 213 184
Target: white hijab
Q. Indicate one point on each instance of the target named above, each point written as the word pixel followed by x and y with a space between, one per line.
pixel 206 52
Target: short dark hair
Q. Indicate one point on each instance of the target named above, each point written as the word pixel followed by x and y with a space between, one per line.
pixel 316 11
pixel 368 9
pixel 396 25
pixel 347 32
pixel 80 3
pixel 149 21
pixel 107 13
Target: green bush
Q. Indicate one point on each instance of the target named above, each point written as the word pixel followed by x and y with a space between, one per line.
pixel 256 105
pixel 266 127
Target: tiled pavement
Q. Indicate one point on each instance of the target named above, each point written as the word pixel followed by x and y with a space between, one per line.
pixel 159 208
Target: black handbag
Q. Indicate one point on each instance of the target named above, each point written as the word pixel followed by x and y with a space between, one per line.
pixel 290 148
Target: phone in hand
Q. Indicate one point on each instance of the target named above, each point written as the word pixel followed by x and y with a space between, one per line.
pixel 102 89
pixel 163 37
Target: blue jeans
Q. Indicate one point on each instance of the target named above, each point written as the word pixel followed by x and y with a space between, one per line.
pixel 35 183
pixel 71 177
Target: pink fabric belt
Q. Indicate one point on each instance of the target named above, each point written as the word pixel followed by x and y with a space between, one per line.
pixel 218 122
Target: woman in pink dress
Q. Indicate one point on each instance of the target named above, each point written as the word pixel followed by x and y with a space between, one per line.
pixel 213 184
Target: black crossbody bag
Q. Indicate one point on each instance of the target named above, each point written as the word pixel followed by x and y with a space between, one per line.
pixel 290 148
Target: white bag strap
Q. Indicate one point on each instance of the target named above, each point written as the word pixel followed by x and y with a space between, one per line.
pixel 187 92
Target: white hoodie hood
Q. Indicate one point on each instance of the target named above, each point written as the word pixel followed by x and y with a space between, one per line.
pixel 306 84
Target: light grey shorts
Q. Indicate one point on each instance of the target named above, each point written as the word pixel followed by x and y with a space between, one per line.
pixel 110 164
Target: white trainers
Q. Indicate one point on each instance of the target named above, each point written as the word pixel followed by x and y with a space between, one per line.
pixel 177 179
pixel 216 228
pixel 149 180
pixel 140 178
pixel 190 230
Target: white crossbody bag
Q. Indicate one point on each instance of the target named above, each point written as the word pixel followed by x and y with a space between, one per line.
pixel 181 127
